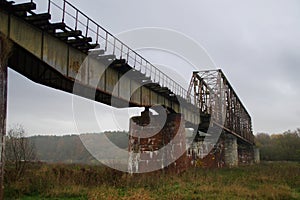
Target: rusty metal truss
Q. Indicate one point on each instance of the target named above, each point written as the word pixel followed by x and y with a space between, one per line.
pixel 214 96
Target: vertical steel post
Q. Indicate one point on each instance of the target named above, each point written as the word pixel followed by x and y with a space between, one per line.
pixel 127 55
pixel 106 41
pixel 121 56
pixel 87 27
pixel 114 48
pixel 3 104
pixel 97 35
pixel 64 12
pixel 76 20
pixel 49 6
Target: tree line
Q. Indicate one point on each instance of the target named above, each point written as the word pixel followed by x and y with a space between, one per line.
pixel 279 147
pixel 69 149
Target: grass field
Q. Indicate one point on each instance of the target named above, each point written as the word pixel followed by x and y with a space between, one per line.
pixel 280 180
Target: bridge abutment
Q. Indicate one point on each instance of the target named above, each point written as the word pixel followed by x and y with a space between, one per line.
pixel 231 151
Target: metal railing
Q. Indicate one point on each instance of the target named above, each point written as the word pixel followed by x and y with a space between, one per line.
pixel 77 20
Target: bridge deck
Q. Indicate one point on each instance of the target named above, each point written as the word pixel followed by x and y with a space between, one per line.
pixel 35 37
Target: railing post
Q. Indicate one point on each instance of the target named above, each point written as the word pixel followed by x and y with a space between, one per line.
pixel 121 55
pixel 49 6
pixel 141 64
pixel 127 60
pixel 134 60
pixel 155 75
pixel 87 27
pixel 64 11
pixel 106 41
pixel 97 36
pixel 150 65
pixel 76 20
pixel 114 48
pixel 159 79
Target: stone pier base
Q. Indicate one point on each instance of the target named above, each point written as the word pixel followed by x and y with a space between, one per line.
pixel 256 155
pixel 231 151
pixel 157 142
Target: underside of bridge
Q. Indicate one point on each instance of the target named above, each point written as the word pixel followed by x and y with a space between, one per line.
pixel 206 125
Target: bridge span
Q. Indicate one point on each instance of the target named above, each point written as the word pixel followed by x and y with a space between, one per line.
pixel 63 46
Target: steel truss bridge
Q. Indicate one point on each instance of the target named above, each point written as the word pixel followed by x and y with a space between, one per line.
pixel 49 48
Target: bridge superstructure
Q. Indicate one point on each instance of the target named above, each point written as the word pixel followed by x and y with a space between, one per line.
pixel 50 48
pixel 213 94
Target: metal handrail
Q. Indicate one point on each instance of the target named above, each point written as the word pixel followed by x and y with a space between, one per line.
pixel 112 45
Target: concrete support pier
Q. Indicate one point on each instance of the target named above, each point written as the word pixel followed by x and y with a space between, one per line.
pixel 256 153
pixel 157 142
pixel 231 151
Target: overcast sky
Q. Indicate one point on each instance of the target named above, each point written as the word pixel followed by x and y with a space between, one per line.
pixel 256 43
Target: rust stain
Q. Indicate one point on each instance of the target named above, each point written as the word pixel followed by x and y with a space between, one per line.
pixel 75 66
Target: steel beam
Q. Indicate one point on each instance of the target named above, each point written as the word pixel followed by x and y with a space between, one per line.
pixel 4 51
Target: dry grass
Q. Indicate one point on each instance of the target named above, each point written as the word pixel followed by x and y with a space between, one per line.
pixel 265 181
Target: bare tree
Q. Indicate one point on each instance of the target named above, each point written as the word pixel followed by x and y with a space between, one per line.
pixel 19 150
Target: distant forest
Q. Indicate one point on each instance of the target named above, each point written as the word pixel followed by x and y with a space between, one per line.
pixel 69 149
pixel 279 147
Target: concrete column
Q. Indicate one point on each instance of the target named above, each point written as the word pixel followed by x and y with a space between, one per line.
pixel 4 51
pixel 256 153
pixel 231 151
